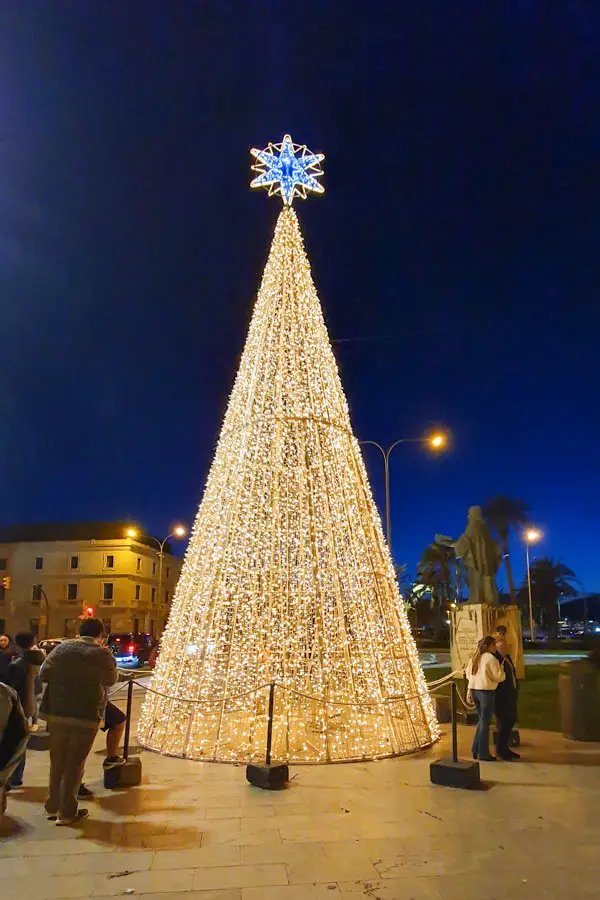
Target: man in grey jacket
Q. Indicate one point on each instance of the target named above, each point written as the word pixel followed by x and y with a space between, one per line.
pixel 77 674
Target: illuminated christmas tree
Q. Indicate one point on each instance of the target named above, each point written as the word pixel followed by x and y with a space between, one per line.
pixel 287 579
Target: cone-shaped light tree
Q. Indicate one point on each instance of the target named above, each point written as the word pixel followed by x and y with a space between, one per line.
pixel 287 579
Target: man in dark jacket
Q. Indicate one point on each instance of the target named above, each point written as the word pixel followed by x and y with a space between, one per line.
pixel 22 675
pixel 505 698
pixel 6 656
pixel 77 674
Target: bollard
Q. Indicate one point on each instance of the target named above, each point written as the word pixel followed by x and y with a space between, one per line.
pixel 129 773
pixel 271 776
pixel 455 772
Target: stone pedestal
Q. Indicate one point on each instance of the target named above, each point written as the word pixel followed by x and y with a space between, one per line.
pixel 469 622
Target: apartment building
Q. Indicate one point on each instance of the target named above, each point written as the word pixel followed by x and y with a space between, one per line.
pixel 52 574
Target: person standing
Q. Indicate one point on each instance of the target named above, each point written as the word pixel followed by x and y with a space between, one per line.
pixel 506 698
pixel 14 733
pixel 77 674
pixel 6 656
pixel 484 673
pixel 22 676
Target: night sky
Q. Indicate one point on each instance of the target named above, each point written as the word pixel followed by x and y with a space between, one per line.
pixel 455 250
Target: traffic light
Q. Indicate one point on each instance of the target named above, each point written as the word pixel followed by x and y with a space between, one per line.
pixel 6 582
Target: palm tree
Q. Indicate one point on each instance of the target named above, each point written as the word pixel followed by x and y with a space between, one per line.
pixel 504 515
pixel 435 574
pixel 550 580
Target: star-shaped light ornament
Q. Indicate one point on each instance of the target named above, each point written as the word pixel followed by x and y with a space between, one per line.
pixel 288 169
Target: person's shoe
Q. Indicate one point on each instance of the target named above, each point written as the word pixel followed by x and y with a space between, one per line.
pixel 111 761
pixel 487 759
pixel 84 791
pixel 81 814
pixel 15 784
pixel 474 756
pixel 52 817
pixel 504 757
pixel 513 755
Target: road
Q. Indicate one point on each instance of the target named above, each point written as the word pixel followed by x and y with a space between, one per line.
pixel 442 658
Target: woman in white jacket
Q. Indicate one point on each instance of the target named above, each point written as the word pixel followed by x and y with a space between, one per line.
pixel 484 674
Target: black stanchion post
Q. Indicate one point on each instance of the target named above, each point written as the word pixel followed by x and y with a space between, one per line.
pixel 270 724
pixel 454 732
pixel 128 720
pixel 271 776
pixel 129 772
pixel 452 771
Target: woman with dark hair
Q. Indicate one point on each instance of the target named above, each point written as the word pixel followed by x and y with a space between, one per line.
pixel 484 674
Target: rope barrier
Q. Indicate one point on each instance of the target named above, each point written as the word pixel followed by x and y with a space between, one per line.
pixel 324 702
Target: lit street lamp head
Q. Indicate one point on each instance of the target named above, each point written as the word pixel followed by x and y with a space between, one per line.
pixel 131 533
pixel 532 535
pixel 179 531
pixel 438 441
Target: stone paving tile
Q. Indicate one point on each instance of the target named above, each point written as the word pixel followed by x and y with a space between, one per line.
pixel 230 812
pixel 198 858
pixel 157 882
pixel 240 876
pixel 226 894
pixel 296 892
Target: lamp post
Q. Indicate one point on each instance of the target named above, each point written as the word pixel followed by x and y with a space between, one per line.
pixel 437 441
pixel 531 536
pixel 47 602
pixel 177 532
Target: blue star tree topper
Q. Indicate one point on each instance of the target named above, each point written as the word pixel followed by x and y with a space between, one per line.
pixel 288 169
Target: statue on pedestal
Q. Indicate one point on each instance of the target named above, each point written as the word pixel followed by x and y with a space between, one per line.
pixel 482 556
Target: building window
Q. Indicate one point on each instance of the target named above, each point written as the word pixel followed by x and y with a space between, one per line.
pixel 166 596
pixel 36 594
pixel 110 561
pixel 139 564
pixel 71 592
pixel 153 568
pixel 39 562
pixel 106 625
pixel 153 595
pixel 107 592
pixel 138 591
pixel 168 570
pixel 2 626
pixel 136 626
pixel 2 598
pixel 34 627
pixel 74 562
pixel 3 565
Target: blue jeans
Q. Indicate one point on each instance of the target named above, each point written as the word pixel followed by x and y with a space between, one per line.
pixel 484 703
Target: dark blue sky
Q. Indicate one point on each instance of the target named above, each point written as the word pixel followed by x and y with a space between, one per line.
pixel 455 251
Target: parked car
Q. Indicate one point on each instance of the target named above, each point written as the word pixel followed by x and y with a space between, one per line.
pixel 49 644
pixel 130 650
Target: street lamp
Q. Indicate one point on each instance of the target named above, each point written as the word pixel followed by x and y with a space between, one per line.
pixel 532 535
pixel 436 441
pixel 178 531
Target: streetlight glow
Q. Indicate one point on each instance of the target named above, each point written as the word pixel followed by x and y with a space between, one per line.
pixel 532 535
pixel 179 531
pixel 131 533
pixel 438 441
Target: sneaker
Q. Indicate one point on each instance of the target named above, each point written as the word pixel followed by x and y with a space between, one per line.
pixel 81 814
pixel 111 761
pixel 52 817
pixel 84 791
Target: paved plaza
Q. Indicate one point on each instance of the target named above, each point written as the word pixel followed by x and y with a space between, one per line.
pixel 372 830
